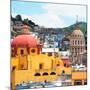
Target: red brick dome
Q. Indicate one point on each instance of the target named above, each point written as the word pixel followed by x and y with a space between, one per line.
pixel 24 41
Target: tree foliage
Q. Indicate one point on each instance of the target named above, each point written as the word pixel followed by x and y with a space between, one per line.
pixel 18 18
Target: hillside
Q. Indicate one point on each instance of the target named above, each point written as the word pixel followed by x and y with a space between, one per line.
pixel 64 31
pixel 82 26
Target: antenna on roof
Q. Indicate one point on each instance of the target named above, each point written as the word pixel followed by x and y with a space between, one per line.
pixel 77 26
pixel 76 18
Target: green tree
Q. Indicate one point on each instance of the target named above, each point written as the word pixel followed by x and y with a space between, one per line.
pixel 25 21
pixel 18 18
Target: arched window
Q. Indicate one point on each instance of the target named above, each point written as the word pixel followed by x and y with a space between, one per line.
pixel 22 51
pixel 63 72
pixel 78 42
pixel 41 66
pixel 45 73
pixel 58 64
pixel 65 65
pixel 75 49
pixel 13 68
pixel 75 41
pixel 72 49
pixel 81 49
pixel 52 73
pixel 37 74
pixel 78 49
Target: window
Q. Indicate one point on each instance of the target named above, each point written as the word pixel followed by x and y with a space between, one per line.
pixel 49 54
pixel 40 66
pixel 75 42
pixel 72 49
pixel 78 49
pixel 78 41
pixel 81 49
pixel 76 53
pixel 13 68
pixel 22 52
pixel 65 64
pixel 75 49
pixel 44 74
pixel 22 66
pixel 63 72
pixel 43 52
pixel 37 74
pixel 33 50
pixel 52 73
pixel 85 82
pixel 58 64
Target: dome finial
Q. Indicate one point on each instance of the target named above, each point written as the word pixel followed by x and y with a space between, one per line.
pixel 76 18
pixel 25 29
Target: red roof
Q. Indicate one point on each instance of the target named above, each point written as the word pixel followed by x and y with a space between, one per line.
pixel 67 62
pixel 24 41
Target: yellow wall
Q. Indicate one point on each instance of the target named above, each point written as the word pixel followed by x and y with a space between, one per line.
pixel 14 62
pixel 79 75
pixel 40 59
pixel 32 66
pixel 27 75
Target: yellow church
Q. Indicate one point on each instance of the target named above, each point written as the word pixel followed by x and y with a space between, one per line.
pixel 28 63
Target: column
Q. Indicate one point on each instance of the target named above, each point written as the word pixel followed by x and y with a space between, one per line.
pixel 82 82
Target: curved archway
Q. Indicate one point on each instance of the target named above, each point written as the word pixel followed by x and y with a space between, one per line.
pixel 45 73
pixel 52 73
pixel 65 65
pixel 37 74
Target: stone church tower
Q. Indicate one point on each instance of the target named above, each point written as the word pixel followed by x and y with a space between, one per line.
pixel 77 46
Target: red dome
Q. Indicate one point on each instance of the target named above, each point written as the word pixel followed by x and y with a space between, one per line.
pixel 24 41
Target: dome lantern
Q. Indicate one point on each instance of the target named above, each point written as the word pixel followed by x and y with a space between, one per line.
pixel 25 29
